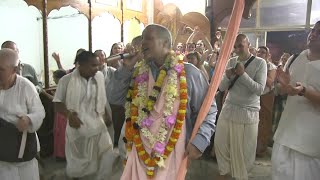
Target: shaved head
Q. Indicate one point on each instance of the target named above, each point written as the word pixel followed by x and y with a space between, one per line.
pixel 8 67
pixel 242 45
pixel 242 37
pixel 9 57
pixel 162 32
pixel 10 45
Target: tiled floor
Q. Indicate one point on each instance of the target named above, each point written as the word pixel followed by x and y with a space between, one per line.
pixel 204 169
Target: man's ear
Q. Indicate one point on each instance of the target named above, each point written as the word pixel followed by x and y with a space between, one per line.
pixel 165 43
pixel 16 69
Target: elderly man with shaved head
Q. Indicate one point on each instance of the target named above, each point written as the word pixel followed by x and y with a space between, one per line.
pixel 21 114
pixel 157 135
pixel 237 128
pixel 24 69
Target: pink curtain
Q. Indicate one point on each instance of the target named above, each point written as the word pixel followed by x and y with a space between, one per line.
pixel 227 47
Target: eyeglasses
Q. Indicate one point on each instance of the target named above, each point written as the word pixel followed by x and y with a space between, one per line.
pixel 238 46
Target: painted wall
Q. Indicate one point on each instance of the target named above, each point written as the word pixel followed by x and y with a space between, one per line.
pixel 132 28
pixel 67 32
pixel 106 30
pixel 19 23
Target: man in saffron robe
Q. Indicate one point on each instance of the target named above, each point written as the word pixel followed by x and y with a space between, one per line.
pixel 156 47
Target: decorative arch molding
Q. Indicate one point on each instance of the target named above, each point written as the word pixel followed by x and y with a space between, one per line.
pixel 104 13
pixel 96 8
pixel 141 16
pixel 102 35
pixel 35 3
pixel 81 5
pixel 90 9
pixel 100 10
pixel 132 28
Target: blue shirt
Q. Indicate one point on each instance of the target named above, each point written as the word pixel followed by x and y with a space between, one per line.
pixel 197 90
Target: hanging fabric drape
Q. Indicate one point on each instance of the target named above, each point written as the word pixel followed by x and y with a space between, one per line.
pixel 227 47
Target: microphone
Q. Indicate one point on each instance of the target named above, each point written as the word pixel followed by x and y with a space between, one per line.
pixel 121 56
pixel 118 56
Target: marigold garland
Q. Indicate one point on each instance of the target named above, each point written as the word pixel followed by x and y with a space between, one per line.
pixel 138 108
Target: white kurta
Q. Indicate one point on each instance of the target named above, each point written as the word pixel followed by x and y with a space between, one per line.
pixel 237 129
pixel 89 148
pixel 21 99
pixel 298 128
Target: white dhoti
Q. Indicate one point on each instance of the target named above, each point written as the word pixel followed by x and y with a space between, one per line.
pixel 288 164
pixel 19 171
pixel 92 156
pixel 235 144
pixel 89 149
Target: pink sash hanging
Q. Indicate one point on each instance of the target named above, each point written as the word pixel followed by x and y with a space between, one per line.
pixel 227 46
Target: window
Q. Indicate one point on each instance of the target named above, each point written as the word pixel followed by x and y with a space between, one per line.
pixel 315 12
pixel 284 13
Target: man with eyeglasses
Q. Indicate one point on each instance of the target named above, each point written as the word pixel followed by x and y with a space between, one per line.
pixel 236 133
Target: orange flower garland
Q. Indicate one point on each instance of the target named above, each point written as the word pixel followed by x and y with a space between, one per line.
pixel 132 133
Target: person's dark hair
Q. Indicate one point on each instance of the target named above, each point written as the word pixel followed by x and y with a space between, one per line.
pixel 79 51
pixel 241 37
pixel 194 54
pixel 6 43
pixel 59 73
pixel 98 51
pixel 264 47
pixel 137 40
pixel 114 44
pixel 191 43
pixel 85 57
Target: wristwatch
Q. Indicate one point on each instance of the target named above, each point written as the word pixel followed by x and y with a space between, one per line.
pixel 302 92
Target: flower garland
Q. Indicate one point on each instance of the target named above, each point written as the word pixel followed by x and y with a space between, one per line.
pixel 139 106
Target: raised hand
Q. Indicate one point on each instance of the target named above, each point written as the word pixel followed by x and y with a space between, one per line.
pixel 239 69
pixel 56 56
pixel 230 72
pixel 196 29
pixel 135 55
pixel 283 77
